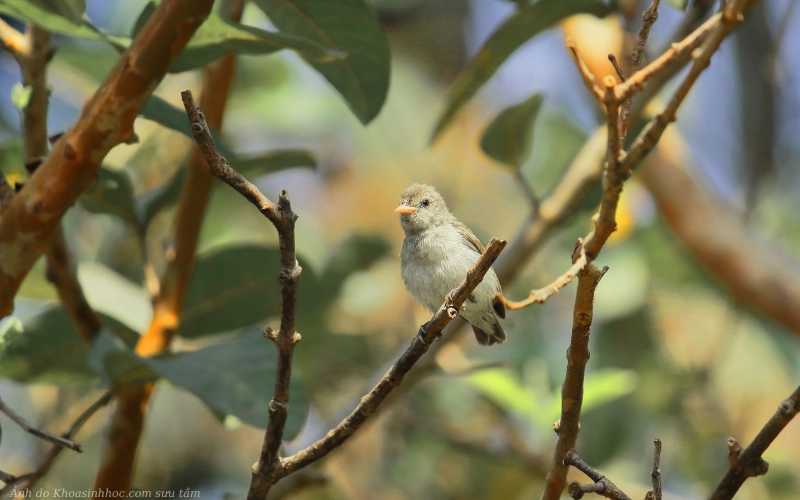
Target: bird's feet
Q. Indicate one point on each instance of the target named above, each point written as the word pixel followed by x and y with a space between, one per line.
pixel 448 303
pixel 423 333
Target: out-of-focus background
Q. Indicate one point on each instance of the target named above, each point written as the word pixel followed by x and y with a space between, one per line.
pixel 673 356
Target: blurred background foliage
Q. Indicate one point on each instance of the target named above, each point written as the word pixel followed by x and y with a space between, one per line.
pixel 672 356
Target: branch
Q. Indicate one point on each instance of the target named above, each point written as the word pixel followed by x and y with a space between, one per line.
pixel 748 463
pixel 572 390
pixel 116 468
pixel 32 215
pixel 588 78
pixel 657 493
pixel 602 485
pixel 26 481
pixel 47 436
pixel 649 17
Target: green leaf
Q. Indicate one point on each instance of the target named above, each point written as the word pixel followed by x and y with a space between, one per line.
pixel 153 201
pixel 504 389
pixel 59 16
pixel 116 363
pixel 164 113
pixel 520 27
pixel 231 288
pixel 599 388
pixel 10 327
pixel 112 193
pixel 21 95
pixel 347 25
pixel 679 4
pixel 50 351
pixel 236 377
pixel 509 138
pixel 273 161
pixel 218 36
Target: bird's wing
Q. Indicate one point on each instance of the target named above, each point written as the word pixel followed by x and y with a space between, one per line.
pixel 467 234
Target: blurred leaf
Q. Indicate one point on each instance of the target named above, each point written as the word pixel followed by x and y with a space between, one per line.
pixel 236 377
pixel 111 293
pixel 509 138
pixel 116 363
pixel 503 388
pixel 274 161
pixel 21 95
pixel 10 327
pixel 218 36
pixel 153 201
pixel 112 193
pixel 518 28
pixel 679 4
pixel 59 16
pixel 164 113
pixel 231 288
pixel 362 78
pixel 50 351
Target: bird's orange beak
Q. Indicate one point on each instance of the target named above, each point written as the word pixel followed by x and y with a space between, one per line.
pixel 405 209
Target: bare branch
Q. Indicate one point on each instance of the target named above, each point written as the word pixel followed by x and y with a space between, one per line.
pixel 748 462
pixel 602 485
pixel 656 474
pixel 588 78
pixel 572 390
pixel 649 17
pixel 47 436
pixel 26 481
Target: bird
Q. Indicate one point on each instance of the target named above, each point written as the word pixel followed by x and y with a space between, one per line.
pixel 437 252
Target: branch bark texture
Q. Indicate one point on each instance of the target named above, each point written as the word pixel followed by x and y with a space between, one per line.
pixel 32 215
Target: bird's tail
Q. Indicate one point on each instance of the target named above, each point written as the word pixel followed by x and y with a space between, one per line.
pixel 498 336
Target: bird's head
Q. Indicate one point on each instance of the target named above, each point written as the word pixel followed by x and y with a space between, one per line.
pixel 421 208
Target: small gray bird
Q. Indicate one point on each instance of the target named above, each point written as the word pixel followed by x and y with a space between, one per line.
pixel 437 253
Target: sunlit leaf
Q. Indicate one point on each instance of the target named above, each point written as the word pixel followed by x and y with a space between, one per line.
pixel 111 293
pixel 505 390
pixel 520 27
pixel 679 4
pixel 21 95
pixel 236 378
pixel 362 78
pixel 10 327
pixel 59 16
pixel 599 388
pixel 509 137
pixel 112 193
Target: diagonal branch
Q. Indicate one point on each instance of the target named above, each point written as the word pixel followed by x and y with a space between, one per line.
pixel 47 436
pixel 602 485
pixel 748 462
pixel 649 17
pixel 32 215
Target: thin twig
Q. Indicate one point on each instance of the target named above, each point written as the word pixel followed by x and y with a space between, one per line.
pixel 540 295
pixel 572 391
pixel 649 17
pixel 419 346
pixel 27 481
pixel 602 485
pixel 588 78
pixel 47 436
pixel 748 462
pixel 533 199
pixel 283 218
pixel 621 74
pixel 656 474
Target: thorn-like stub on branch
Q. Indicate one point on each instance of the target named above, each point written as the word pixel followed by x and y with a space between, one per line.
pixel 609 81
pixel 285 275
pixel 787 408
pixel 197 128
pixel 575 491
pixel 271 334
pixel 734 451
pixel 296 337
pixel 557 426
pixel 275 406
pixel 650 495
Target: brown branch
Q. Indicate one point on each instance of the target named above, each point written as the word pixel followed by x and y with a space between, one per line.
pixel 649 17
pixel 540 295
pixel 32 215
pixel 657 493
pixel 588 78
pixel 116 469
pixel 283 218
pixel 751 270
pixel 47 436
pixel 621 74
pixel 572 391
pixel 392 379
pixel 748 462
pixel 26 481
pixel 602 485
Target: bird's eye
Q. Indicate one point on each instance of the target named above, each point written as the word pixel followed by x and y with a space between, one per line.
pixel 424 203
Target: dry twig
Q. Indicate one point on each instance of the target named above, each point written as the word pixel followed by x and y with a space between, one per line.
pixel 47 436
pixel 748 462
pixel 602 485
